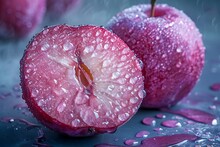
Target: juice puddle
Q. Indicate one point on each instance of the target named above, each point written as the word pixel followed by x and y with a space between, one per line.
pixel 195 115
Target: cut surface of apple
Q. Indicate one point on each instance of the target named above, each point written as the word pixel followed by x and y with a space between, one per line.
pixel 81 80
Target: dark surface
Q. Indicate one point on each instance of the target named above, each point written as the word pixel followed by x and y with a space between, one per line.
pixel 16 133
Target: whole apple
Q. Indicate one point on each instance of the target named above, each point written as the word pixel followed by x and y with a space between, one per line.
pixel 19 17
pixel 56 8
pixel 170 46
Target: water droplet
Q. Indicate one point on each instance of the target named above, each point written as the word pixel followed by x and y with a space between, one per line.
pixel 134 100
pixel 111 87
pixel 76 122
pixel 96 114
pixel 168 140
pixel 55 81
pixel 97 33
pixel 164 55
pixel 112 39
pixel 28 70
pixel 127 75
pixel 125 50
pixel 158 129
pixel 171 123
pixel 88 49
pixel 34 92
pixel 61 107
pixel 45 31
pixel 122 80
pixel 64 90
pixel 194 114
pixel 106 63
pixel 123 117
pixel 115 75
pixel 123 58
pixel 214 122
pixel 67 46
pixel 149 121
pixel 178 64
pixel 133 80
pixel 56 28
pixel 41 102
pixel 178 50
pixel 35 43
pixel 11 120
pixel 45 47
pixel 106 46
pixel 142 93
pixel 131 142
pixel 142 134
pixel 160 115
pixel 212 107
pixel 215 87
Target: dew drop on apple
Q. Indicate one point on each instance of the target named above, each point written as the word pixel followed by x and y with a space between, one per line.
pixel 123 58
pixel 45 31
pixel 61 107
pixel 115 75
pixel 178 50
pixel 97 33
pixel 75 122
pixel 142 93
pixel 67 46
pixel 123 117
pixel 142 134
pixel 41 102
pixel 106 63
pixel 106 46
pixel 111 87
pixel 133 100
pixel 88 49
pixel 178 64
pixel 133 80
pixel 125 50
pixel 45 47
pixel 34 92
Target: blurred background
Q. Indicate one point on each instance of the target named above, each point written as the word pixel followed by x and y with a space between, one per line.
pixel 205 14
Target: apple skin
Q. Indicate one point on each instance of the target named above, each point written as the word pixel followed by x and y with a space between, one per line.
pixel 19 17
pixel 170 47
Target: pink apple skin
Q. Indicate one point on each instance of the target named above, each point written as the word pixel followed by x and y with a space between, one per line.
pixel 59 7
pixel 19 17
pixel 81 81
pixel 170 46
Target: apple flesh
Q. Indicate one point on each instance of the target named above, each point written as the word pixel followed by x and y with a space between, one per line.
pixel 170 46
pixel 81 81
pixel 19 17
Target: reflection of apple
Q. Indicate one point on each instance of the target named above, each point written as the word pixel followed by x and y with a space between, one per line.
pixel 170 46
pixel 19 17
pixel 59 7
pixel 81 80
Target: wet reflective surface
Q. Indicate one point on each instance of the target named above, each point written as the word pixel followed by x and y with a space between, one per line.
pixel 19 128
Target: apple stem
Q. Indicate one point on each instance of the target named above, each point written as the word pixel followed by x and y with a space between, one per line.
pixel 152 8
